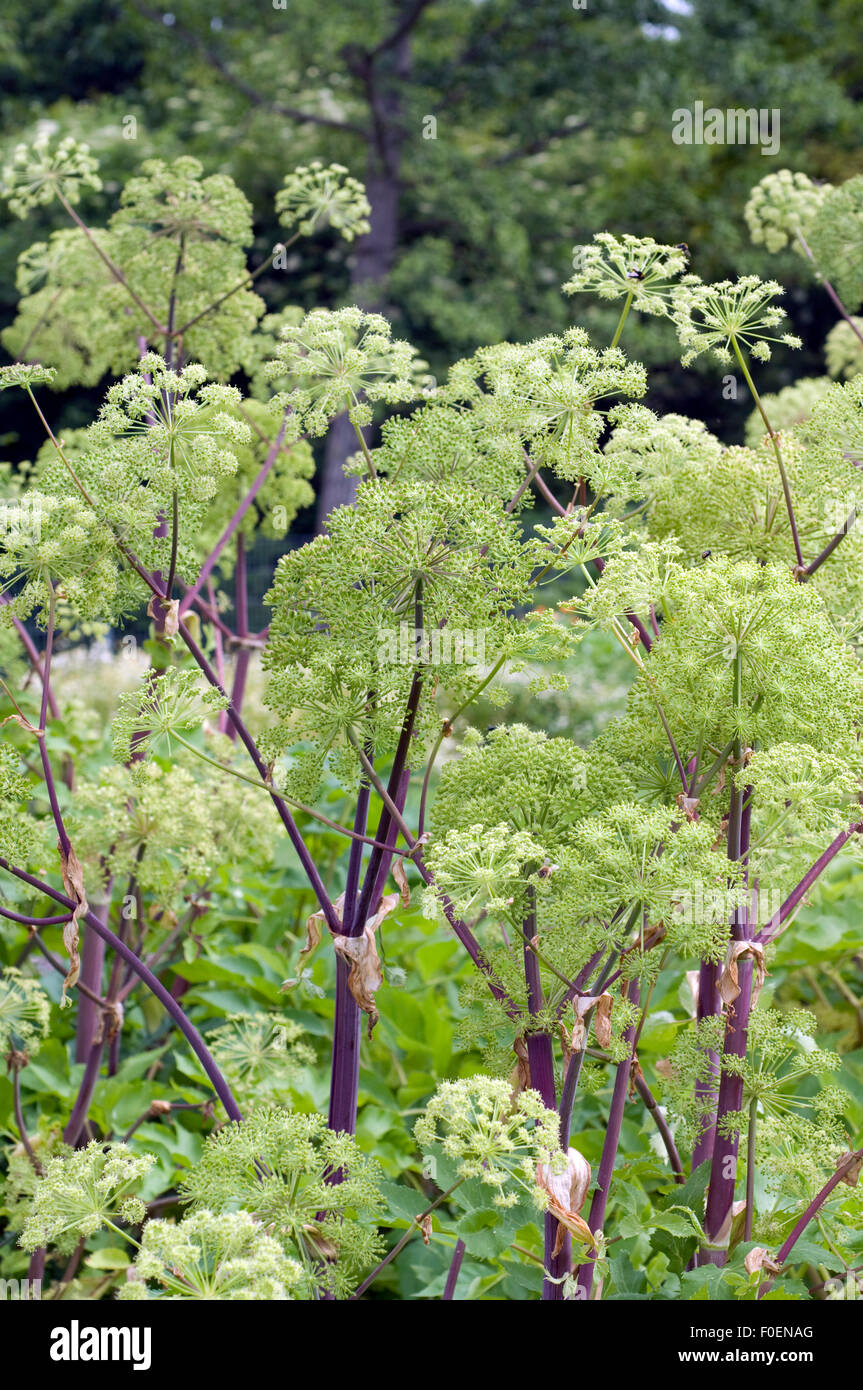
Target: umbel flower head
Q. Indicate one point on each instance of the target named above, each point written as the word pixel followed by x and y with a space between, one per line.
pixel 781 206
pixel 314 196
pixel 260 1053
pixel 343 359
pixel 82 1191
pixel 835 239
pixel 279 1166
pixel 26 375
pixel 147 717
pixel 615 267
pixel 55 541
pixel 712 318
pixel 226 1256
pixel 545 395
pixel 38 172
pixel 173 427
pixel 482 868
pixel 492 1134
pixel 25 1012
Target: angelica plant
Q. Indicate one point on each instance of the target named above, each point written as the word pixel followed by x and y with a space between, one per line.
pixel 340 798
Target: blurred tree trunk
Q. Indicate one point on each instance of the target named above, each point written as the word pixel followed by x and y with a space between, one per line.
pixel 384 73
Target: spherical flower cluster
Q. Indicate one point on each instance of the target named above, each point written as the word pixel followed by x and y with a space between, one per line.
pixel 25 1012
pixel 481 867
pixel 228 1256
pixel 173 201
pixel 836 240
pixel 843 349
pixel 492 1134
pixel 147 718
pixel 81 1192
pixel 58 541
pixel 619 267
pixel 278 1166
pixel 174 429
pixel 781 206
pixel 545 395
pixel 260 1053
pixel 790 406
pixel 38 172
pixel 314 196
pixel 713 318
pixel 343 359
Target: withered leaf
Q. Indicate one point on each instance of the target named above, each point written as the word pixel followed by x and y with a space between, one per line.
pixel 852 1172
pixel 757 1259
pixel 729 985
pixel 166 614
pixel 73 882
pixel 520 1075
pixel 401 880
pixel 366 976
pixel 567 1191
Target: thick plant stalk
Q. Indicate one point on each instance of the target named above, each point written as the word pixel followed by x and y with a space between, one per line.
pixel 709 1006
pixel 78 1117
pixel 723 1170
pixel 609 1149
pixel 540 1060
pixel 344 1075
pixel 454 1270
pixel 89 1017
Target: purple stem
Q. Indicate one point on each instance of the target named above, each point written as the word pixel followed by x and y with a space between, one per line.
pixel 845 1166
pixel 723 1168
pixel 454 1270
pixel 540 1059
pixel 709 1006
pixel 345 1072
pixel 796 896
pixel 78 1117
pixel 609 1147
pixel 186 1027
pixel 213 558
pixel 330 915
pixel 244 655
pixel 34 658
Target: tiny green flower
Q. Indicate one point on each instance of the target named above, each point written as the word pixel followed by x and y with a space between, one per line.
pixel 228 1256
pixel 493 1135
pixel 25 1012
pixel 616 267
pixel 81 1192
pixel 712 318
pixel 37 172
pixel 314 196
